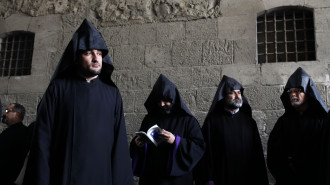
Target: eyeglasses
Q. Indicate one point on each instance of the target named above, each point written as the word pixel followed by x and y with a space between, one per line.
pixel 296 91
pixel 7 110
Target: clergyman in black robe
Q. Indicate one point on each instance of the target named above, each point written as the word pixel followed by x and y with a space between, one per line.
pixel 14 144
pixel 295 147
pixel 172 161
pixel 234 153
pixel 80 135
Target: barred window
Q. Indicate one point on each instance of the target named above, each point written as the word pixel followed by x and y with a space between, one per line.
pixel 16 50
pixel 286 34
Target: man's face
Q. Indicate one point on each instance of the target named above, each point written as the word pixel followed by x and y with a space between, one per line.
pixel 90 62
pixel 297 97
pixel 234 99
pixel 165 106
pixel 9 117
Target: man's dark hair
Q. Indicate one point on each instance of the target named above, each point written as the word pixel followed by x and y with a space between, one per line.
pixel 19 108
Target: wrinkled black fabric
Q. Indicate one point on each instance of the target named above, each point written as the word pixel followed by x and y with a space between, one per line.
pixel 165 164
pixel 297 144
pixel 80 135
pixel 234 154
pixel 14 147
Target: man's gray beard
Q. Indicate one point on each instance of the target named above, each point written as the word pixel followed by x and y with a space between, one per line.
pixel 231 103
pixel 295 104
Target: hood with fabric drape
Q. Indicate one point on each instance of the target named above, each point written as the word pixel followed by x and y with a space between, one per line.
pixel 226 86
pixel 87 37
pixel 164 89
pixel 300 79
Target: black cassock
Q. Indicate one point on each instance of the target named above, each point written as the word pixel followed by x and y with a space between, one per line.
pixel 234 154
pixel 14 146
pixel 168 164
pixel 80 135
pixel 297 144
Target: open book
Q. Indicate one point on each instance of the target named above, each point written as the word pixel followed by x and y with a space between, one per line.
pixel 151 135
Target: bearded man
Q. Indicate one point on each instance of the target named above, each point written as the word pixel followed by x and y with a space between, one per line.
pixel 297 143
pixel 234 153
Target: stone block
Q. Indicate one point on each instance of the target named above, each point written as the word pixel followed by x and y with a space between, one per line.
pixel 203 29
pixel 132 80
pixel 271 118
pixel 17 22
pixel 238 27
pixel 245 51
pixel 30 102
pixel 317 3
pixel 322 43
pixel 129 57
pixel 180 76
pixel 115 36
pixel 27 84
pixel 269 4
pixel 204 98
pixel 128 100
pixel 158 56
pixel 140 98
pixel 244 74
pixel 241 7
pixel 328 97
pixel 133 123
pixel 189 97
pixel 264 98
pixel 217 52
pixel 206 76
pixel 322 89
pixel 200 116
pixel 260 118
pixel 322 19
pixel 6 99
pixel 4 85
pixel 186 53
pixel 279 73
pixel 142 34
pixel 168 32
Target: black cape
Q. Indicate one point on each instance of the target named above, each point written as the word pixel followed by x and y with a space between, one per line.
pixel 80 135
pixel 14 147
pixel 168 164
pixel 234 153
pixel 296 145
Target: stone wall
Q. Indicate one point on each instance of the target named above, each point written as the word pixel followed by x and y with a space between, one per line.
pixel 193 42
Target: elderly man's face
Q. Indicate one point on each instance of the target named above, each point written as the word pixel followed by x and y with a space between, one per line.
pixel 297 97
pixel 234 99
pixel 90 62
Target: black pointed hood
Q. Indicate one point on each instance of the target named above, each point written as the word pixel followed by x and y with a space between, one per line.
pixel 86 37
pixel 164 89
pixel 300 79
pixel 227 85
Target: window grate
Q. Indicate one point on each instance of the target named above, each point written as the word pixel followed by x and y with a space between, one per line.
pixel 286 35
pixel 16 50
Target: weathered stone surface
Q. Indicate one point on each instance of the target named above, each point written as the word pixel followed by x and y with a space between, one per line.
pixel 322 43
pixel 203 29
pixel 140 98
pixel 206 76
pixel 237 27
pixel 142 34
pixel 133 122
pixel 180 76
pixel 128 100
pixel 16 84
pixel 269 4
pixel 129 57
pixel 260 118
pixel 244 51
pixel 115 36
pixel 323 91
pixel 328 96
pixel 245 74
pixel 217 52
pixel 271 118
pixel 158 56
pixel 322 19
pixel 132 80
pixel 189 97
pixel 204 98
pixel 200 116
pixel 264 98
pixel 118 11
pixel 168 32
pixel 186 53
